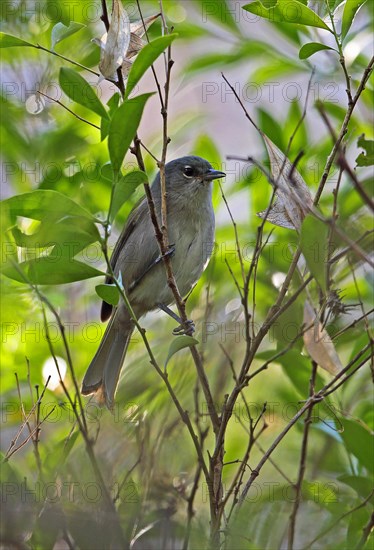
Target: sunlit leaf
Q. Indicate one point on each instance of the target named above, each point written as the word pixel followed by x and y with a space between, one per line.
pixel 178 343
pixel 78 89
pixel 10 41
pixel 322 494
pixel 123 128
pixel 70 231
pixel 318 342
pixel 287 11
pixel 61 31
pixel 41 204
pixel 309 49
pixel 314 245
pixel 109 293
pixel 124 188
pixel 55 269
pixel 146 58
pixel 350 11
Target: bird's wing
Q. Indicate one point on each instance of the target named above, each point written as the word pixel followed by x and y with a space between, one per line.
pixel 137 216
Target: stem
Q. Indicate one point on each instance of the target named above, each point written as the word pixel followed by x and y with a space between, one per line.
pixel 343 130
pixel 302 465
pixel 39 47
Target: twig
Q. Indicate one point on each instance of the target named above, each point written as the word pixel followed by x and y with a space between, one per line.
pixel 343 130
pixel 311 401
pixel 342 161
pixel 39 47
pixel 343 516
pixel 353 324
pixel 68 110
pixel 366 533
pixel 302 463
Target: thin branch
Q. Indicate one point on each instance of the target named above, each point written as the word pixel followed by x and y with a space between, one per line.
pixel 343 130
pixel 302 463
pixel 342 161
pixel 68 110
pixel 311 401
pixel 337 521
pixel 366 533
pixel 39 47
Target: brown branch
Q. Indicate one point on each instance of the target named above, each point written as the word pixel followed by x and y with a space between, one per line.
pixel 366 533
pixel 311 401
pixel 343 516
pixel 343 131
pixel 39 47
pixel 302 463
pixel 342 161
pixel 68 110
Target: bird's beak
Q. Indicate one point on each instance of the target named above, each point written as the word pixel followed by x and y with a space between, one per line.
pixel 213 174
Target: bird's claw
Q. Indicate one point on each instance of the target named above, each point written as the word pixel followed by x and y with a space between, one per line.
pixel 187 328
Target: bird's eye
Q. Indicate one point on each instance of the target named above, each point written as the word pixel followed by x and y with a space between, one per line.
pixel 188 171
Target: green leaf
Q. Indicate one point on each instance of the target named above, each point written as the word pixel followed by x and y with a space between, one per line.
pixel 105 122
pixel 123 128
pixel 218 11
pixel 10 41
pixel 288 325
pixel 313 242
pixel 180 342
pixel 288 11
pixel 360 484
pixel 271 127
pixel 146 57
pixel 205 147
pixel 350 10
pixel 108 293
pixel 71 231
pixel 368 146
pixel 44 203
pixel 55 459
pixel 358 441
pixel 321 494
pixel 61 31
pixel 55 269
pixel 297 367
pixel 123 190
pixel 309 49
pixel 78 89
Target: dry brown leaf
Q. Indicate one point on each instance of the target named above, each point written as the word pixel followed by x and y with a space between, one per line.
pixel 293 200
pixel 318 342
pixel 138 27
pixel 136 44
pixel 115 43
pixel 122 42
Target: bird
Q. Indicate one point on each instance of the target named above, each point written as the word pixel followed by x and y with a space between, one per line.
pixel 136 259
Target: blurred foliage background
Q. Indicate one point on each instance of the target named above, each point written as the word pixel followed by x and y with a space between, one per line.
pixel 145 446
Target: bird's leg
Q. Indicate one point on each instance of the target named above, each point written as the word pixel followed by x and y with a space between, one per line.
pixel 184 328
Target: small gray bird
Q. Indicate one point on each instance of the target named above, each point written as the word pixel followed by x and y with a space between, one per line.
pixel 190 219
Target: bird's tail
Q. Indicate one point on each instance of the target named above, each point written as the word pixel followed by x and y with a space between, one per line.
pixel 103 372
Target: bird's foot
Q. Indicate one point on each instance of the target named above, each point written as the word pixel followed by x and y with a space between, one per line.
pixel 187 328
